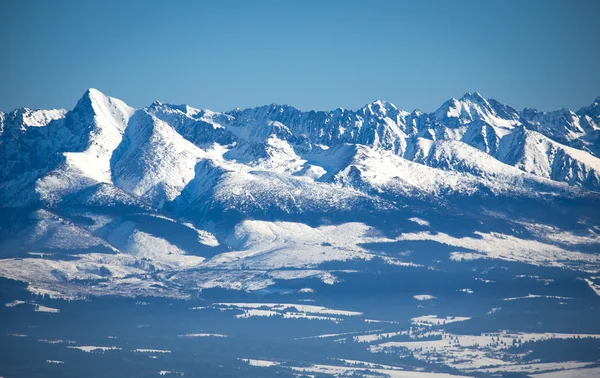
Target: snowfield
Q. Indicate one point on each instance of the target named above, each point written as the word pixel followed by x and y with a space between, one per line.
pixel 470 352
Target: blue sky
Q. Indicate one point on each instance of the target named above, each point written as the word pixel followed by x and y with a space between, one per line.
pixel 310 54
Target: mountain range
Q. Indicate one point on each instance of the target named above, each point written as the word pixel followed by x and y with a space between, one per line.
pixel 170 200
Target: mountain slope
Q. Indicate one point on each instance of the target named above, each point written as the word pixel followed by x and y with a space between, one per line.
pixel 166 198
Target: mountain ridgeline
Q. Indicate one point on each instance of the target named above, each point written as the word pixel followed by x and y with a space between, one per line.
pixel 179 157
pixel 174 188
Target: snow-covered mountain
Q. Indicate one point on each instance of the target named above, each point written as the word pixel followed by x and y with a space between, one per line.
pixel 141 196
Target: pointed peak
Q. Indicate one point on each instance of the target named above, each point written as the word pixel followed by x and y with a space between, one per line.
pixel 94 94
pixel 592 110
pixel 473 96
pixel 94 103
pixel 89 97
pixel 379 106
pixel 383 104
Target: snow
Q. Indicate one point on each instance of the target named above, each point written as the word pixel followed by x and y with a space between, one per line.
pixel 259 363
pixel 329 335
pixel 379 321
pixel 89 348
pixel 160 251
pixel 571 373
pixel 250 164
pixel 152 351
pixel 274 250
pixel 468 352
pixel 536 367
pixel 157 163
pixel 41 118
pixel 286 311
pixel 108 124
pixel 386 171
pixel 46 341
pixel 345 371
pixel 263 244
pixel 284 307
pixel 553 234
pixel 373 337
pixel 533 296
pixel 204 335
pixel 253 312
pixel 423 297
pixel 368 364
pixel 537 154
pixel 506 247
pixel 282 246
pixel 14 303
pixel 471 107
pixel 419 221
pixel 300 315
pixel 40 308
pixel 594 286
pixel 204 237
pixel 429 320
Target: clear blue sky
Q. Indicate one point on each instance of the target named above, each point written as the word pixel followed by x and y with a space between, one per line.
pixel 310 54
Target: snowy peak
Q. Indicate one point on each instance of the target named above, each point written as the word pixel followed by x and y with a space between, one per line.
pixel 594 106
pixel 380 107
pixel 162 153
pixel 107 111
pixel 182 108
pixel 201 127
pixel 105 119
pixel 20 120
pixel 40 118
pixel 473 106
pixel 590 115
pixel 474 97
pixel 153 161
pixel 147 197
pixel 563 124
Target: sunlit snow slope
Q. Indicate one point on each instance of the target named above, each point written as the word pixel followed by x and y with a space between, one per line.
pixel 169 199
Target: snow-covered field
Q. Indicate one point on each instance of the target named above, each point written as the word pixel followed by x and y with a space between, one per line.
pixel 537 368
pixel 572 373
pixel 286 311
pixel 435 320
pixel 468 352
pixel 204 335
pixel 90 348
